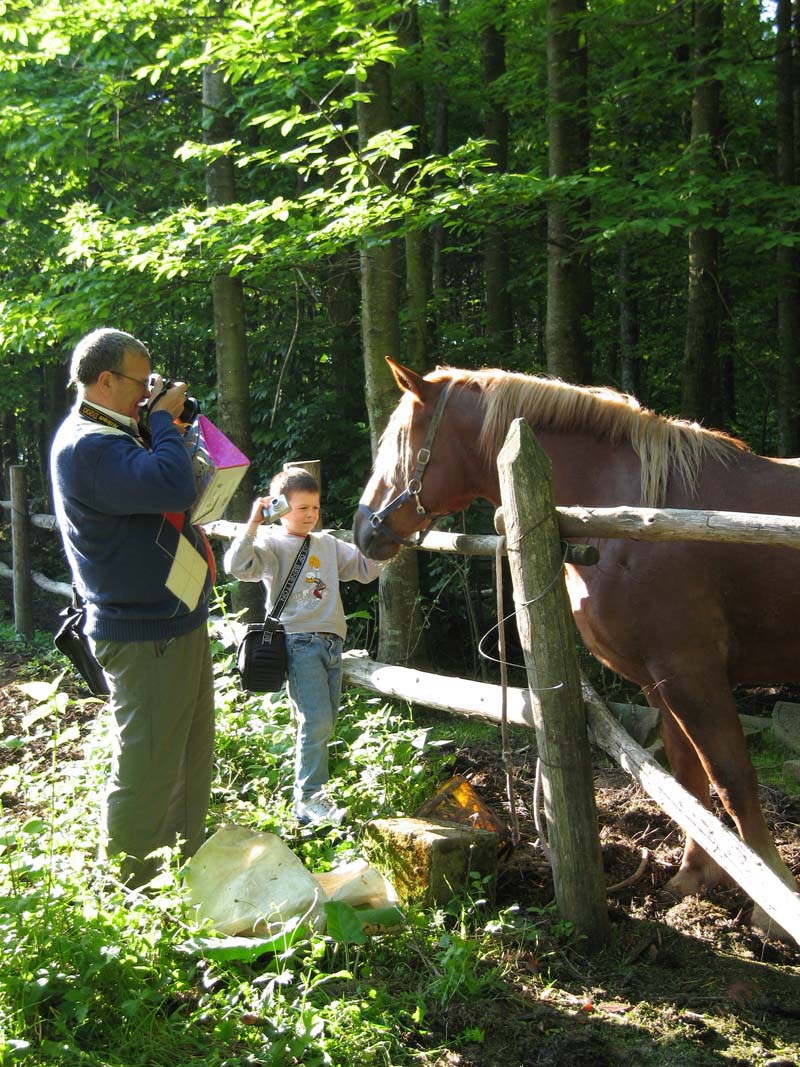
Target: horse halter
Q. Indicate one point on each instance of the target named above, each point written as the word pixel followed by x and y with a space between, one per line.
pixel 413 487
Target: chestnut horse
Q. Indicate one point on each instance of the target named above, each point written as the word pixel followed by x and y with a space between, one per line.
pixel 684 620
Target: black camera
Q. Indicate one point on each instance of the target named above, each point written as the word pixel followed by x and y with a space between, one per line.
pixel 159 385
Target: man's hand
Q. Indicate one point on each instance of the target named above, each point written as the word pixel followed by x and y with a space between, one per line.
pixel 171 400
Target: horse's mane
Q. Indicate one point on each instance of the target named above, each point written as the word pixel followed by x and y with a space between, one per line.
pixel 662 444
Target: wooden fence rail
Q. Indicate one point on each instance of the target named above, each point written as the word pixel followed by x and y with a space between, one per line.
pixel 482 701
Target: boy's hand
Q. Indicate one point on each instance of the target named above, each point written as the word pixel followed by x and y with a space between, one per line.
pixel 257 514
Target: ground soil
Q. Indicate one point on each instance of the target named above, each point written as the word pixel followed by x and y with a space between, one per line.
pixel 678 984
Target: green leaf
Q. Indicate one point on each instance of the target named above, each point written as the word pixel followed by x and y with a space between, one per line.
pixel 41 692
pixel 245 949
pixel 344 923
pixel 388 917
pixel 34 826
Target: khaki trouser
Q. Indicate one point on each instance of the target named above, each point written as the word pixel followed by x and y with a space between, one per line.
pixel 162 747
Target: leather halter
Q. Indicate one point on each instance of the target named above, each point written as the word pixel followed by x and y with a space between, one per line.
pixel 413 487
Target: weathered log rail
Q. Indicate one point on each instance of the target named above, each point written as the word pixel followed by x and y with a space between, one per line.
pixel 643 524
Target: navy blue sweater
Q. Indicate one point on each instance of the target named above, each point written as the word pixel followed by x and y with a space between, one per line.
pixel 123 511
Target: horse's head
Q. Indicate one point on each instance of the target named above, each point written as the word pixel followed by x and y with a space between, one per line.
pixel 426 462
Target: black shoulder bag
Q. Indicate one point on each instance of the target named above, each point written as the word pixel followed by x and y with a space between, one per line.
pixel 73 643
pixel 261 655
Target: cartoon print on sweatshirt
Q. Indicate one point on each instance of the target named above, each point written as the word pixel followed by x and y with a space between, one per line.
pixel 314 580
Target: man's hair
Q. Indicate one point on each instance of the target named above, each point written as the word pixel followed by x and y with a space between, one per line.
pixel 293 480
pixel 101 350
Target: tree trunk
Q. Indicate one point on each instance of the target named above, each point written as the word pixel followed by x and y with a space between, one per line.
pixel 630 364
pixel 230 332
pixel 700 373
pixel 569 282
pixel 441 140
pixel 496 255
pixel 417 276
pixel 411 108
pixel 9 448
pixel 788 258
pixel 56 376
pixel 400 624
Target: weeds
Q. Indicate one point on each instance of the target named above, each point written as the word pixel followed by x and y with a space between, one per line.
pixel 91 973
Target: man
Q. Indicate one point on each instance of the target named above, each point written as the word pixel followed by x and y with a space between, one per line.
pixel 146 575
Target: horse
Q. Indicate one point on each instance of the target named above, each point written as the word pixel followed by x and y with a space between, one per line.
pixel 686 621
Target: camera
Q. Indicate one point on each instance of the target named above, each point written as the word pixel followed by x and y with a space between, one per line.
pixel 159 385
pixel 277 506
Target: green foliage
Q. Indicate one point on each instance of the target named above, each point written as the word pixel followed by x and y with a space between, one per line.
pixel 105 217
pixel 95 974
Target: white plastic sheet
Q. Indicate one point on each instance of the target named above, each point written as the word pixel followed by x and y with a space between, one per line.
pixel 247 882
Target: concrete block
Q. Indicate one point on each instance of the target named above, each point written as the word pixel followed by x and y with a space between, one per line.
pixel 642 722
pixel 428 861
pixel 786 724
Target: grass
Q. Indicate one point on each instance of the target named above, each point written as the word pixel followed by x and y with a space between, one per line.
pixel 93 974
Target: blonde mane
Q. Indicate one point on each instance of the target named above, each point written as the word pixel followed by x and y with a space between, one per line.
pixel 662 444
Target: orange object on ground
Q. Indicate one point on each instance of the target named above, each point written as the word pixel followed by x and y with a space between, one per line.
pixel 458 802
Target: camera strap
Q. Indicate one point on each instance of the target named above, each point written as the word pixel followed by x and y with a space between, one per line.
pixel 87 411
pixel 288 585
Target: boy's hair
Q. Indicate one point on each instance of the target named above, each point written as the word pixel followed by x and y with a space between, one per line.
pixel 293 480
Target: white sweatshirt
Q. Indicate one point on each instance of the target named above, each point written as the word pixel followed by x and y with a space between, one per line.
pixel 315 604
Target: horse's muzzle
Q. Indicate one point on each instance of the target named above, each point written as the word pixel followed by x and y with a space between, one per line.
pixel 371 540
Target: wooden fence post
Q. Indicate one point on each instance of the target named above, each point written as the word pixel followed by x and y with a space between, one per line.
pixel 20 551
pixel 547 633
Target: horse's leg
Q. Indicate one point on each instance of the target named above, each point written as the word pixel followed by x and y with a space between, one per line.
pixel 698 871
pixel 700 707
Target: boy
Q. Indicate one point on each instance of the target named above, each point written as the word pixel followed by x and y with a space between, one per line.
pixel 313 619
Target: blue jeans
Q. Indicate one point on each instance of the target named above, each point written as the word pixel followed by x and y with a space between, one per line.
pixel 314 688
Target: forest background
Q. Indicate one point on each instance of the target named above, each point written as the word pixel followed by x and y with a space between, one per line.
pixel 274 197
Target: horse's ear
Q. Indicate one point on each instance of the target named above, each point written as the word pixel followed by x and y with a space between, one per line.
pixel 408 380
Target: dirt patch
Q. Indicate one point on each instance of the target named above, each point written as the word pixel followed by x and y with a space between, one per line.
pixel 16 668
pixel 679 983
pixel 635 835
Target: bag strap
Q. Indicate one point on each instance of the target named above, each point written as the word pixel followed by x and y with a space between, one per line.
pixel 288 585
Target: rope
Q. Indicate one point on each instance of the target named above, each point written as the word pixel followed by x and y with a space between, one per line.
pixel 501 647
pixel 502 618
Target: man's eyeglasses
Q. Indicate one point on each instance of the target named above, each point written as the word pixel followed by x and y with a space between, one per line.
pixel 143 382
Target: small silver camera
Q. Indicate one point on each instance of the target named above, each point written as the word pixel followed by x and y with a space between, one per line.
pixel 277 506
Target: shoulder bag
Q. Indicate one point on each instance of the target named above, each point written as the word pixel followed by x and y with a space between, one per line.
pixel 73 643
pixel 261 655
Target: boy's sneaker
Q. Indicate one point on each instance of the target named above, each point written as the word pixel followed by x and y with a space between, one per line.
pixel 317 810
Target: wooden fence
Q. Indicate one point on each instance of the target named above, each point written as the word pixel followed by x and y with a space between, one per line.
pixel 561 725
